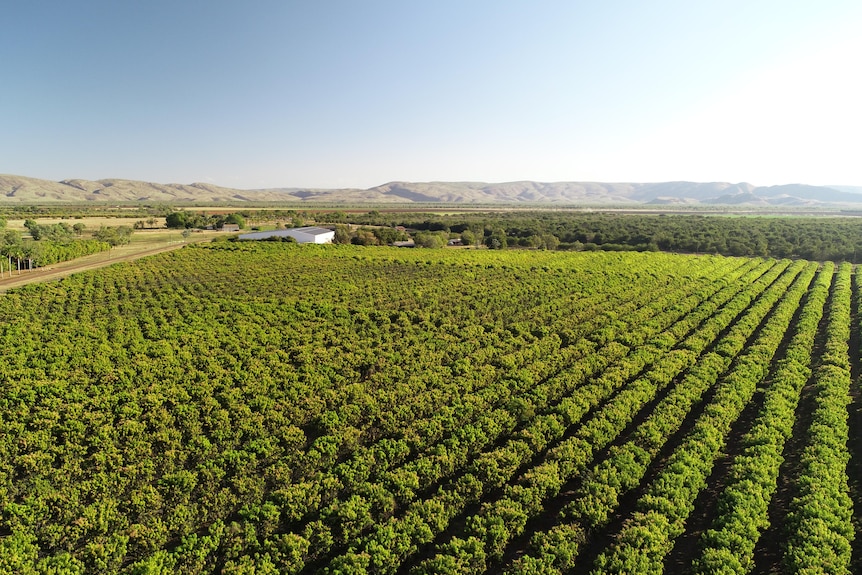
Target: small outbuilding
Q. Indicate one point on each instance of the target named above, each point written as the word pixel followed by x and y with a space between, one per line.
pixel 306 235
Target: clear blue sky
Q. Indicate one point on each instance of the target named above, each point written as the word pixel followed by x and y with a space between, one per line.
pixel 323 93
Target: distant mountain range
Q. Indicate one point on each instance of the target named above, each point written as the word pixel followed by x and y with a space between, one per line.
pixel 24 190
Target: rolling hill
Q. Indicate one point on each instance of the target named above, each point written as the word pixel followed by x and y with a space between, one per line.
pixel 26 190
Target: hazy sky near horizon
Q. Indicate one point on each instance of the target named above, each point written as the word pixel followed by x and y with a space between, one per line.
pixel 343 93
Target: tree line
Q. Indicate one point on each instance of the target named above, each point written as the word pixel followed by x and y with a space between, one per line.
pixel 813 238
pixel 52 243
pixel 833 238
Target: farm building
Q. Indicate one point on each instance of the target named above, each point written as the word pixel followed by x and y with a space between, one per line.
pixel 306 235
pixel 229 228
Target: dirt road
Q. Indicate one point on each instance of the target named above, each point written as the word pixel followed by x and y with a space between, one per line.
pixel 95 261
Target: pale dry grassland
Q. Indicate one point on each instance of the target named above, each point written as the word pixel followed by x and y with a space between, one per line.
pixel 92 223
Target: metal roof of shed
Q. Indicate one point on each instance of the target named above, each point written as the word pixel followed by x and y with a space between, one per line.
pixel 308 231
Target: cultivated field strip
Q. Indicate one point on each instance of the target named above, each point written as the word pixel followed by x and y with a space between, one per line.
pixel 237 408
pixel 569 460
pixel 743 506
pixel 464 444
pixel 661 512
pixel 541 435
pixel 232 374
pixel 467 436
pixel 546 427
pixel 591 505
pixel 819 524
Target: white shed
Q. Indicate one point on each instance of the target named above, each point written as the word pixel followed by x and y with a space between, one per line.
pixel 306 235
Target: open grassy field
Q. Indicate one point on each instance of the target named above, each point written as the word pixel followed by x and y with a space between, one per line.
pixel 91 222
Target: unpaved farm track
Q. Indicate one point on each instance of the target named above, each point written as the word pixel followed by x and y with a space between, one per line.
pixel 91 262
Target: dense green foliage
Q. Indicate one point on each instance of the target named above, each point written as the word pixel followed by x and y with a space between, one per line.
pixel 814 238
pixel 186 219
pixel 118 236
pixel 833 236
pixel 743 510
pixel 275 408
pixel 17 253
pixel 52 243
pixel 836 237
pixel 821 514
